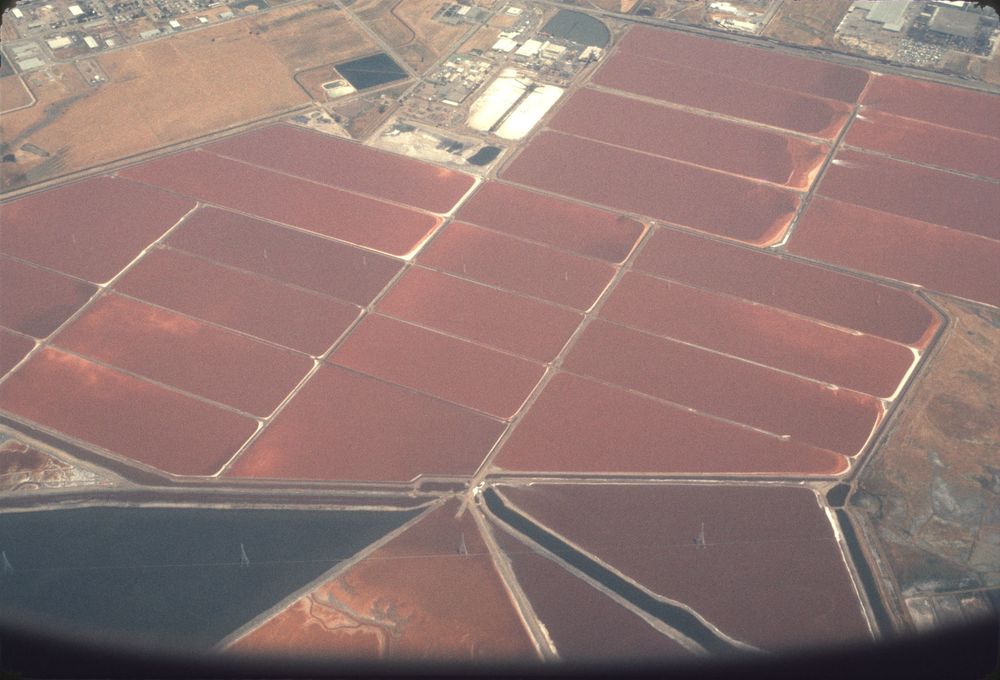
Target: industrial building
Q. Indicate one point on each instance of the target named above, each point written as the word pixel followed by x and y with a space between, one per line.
pixel 958 22
pixel 889 13
pixel 512 105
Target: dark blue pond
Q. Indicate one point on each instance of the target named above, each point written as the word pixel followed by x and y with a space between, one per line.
pixel 170 575
pixel 485 155
pixel 577 27
pixel 367 72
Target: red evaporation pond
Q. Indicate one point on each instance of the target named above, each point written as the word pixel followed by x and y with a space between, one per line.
pixel 289 200
pixel 256 305
pixel 90 229
pixel 908 190
pixel 914 140
pixel 125 415
pixel 475 312
pixel 546 219
pixel 36 301
pixel 346 426
pixel 748 63
pixel 761 334
pixel 13 348
pixel 770 573
pixel 797 287
pixel 349 165
pixel 743 99
pixel 187 354
pixel 694 197
pixel 839 420
pixel 418 596
pixel 936 257
pixel 516 265
pixel 578 425
pixel 582 622
pixel 681 135
pixel 953 107
pixel 456 370
pixel 287 255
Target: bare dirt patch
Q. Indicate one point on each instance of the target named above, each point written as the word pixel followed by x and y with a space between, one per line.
pixel 483 39
pixel 169 90
pixel 931 495
pixel 807 22
pixel 13 94
pixel 24 468
pixel 305 36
